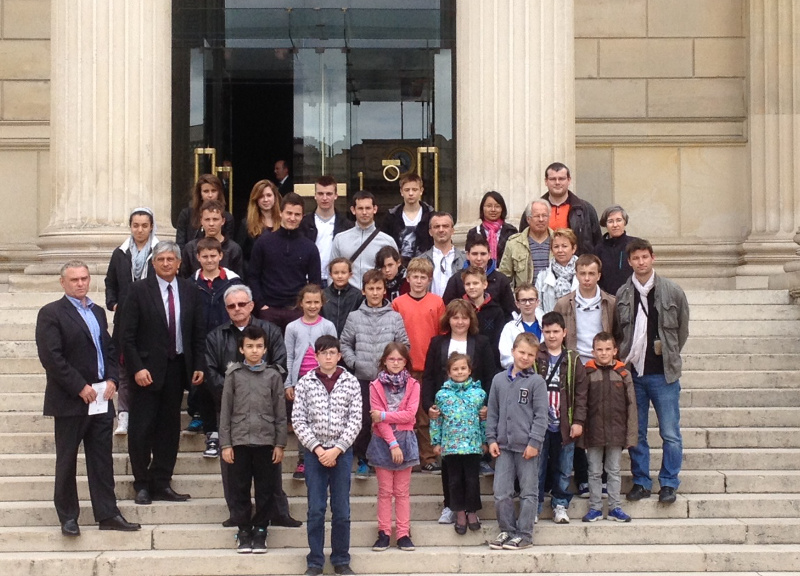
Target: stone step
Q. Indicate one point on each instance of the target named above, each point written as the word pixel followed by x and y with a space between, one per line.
pixel 740 361
pixel 743 505
pixel 738 345
pixel 753 328
pixel 567 559
pixel 738 312
pixel 729 379
pixel 729 297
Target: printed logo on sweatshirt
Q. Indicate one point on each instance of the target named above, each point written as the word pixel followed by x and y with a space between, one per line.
pixel 523 396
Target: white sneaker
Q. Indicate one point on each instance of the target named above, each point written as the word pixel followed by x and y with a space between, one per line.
pixel 122 424
pixel 560 515
pixel 447 517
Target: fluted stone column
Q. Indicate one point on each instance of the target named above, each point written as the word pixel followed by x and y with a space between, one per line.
pixel 110 125
pixel 774 118
pixel 515 97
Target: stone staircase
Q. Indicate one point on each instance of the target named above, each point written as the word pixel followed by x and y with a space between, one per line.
pixel 738 507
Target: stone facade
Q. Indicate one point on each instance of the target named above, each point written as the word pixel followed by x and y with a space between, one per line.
pixel 685 112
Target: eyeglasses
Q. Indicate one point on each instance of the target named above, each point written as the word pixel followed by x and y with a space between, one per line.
pixel 528 300
pixel 235 305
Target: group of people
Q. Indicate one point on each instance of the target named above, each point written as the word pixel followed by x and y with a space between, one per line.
pixel 533 355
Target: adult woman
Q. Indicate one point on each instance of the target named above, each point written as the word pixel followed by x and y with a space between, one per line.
pixel 558 279
pixel 611 249
pixel 493 226
pixel 263 214
pixel 459 327
pixel 207 187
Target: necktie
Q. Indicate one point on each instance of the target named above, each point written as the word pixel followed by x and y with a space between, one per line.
pixel 173 346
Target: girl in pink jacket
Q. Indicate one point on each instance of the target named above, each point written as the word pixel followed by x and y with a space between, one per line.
pixel 393 450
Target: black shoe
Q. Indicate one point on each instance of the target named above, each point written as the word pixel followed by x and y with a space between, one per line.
pixel 228 523
pixel 119 523
pixel 312 571
pixel 637 493
pixel 245 539
pixel 343 569
pixel 260 541
pixel 143 497
pixel 382 543
pixel 70 528
pixel 169 495
pixel 666 495
pixel 286 521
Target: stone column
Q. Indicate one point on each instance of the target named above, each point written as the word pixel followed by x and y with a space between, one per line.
pixel 110 125
pixel 516 99
pixel 774 118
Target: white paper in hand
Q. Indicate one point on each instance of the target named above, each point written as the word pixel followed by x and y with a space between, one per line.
pixel 100 405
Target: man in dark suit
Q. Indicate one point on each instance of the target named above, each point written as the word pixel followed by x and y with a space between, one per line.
pixel 283 179
pixel 163 344
pixel 76 351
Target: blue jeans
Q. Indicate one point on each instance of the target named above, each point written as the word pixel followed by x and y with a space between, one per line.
pixel 318 479
pixel 664 396
pixel 559 460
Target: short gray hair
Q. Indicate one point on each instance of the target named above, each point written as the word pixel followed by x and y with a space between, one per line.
pixel 167 246
pixel 238 288
pixel 73 264
pixel 541 201
pixel 613 210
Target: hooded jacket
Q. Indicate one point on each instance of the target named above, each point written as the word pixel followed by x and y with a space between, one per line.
pixel 611 417
pixel 366 333
pixel 499 288
pixel 459 430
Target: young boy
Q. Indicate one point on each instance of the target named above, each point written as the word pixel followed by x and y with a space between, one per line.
pixel 388 261
pixel 341 297
pixel 407 223
pixel 366 333
pixel 611 425
pixel 515 429
pixel 253 436
pixel 491 317
pixel 567 386
pixel 212 219
pixel 327 418
pixel 212 280
pixel 421 312
pixel 526 297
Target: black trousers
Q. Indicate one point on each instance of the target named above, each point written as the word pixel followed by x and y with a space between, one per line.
pixel 252 464
pixel 154 429
pixel 362 440
pixel 463 474
pixel 95 433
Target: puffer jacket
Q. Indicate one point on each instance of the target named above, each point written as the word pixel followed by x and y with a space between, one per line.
pixel 611 417
pixel 366 333
pixel 339 304
pixel 459 430
pixel 253 407
pixel 327 420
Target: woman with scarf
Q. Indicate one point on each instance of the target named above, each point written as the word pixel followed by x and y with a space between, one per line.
pixel 558 279
pixel 493 226
pixel 130 262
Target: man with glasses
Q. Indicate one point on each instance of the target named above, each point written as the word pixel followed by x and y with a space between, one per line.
pixel 528 252
pixel 324 223
pixel 447 259
pixel 222 348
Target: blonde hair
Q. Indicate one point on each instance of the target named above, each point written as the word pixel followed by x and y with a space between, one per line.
pixel 255 225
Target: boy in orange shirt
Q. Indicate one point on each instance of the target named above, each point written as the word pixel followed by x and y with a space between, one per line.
pixel 421 311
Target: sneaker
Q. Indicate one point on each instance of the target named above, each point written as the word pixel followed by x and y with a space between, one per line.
pixel 666 495
pixel 122 424
pixel 382 543
pixel 405 544
pixel 260 541
pixel 300 472
pixel 618 515
pixel 362 472
pixel 343 569
pixel 212 445
pixel 447 517
pixel 497 543
pixel 194 427
pixel 637 493
pixel 245 539
pixel 536 519
pixel 432 468
pixel 516 543
pixel 583 490
pixel 312 571
pixel 560 515
pixel 594 515
pixel 486 469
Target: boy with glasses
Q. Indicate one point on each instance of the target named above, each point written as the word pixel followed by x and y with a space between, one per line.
pixel 527 298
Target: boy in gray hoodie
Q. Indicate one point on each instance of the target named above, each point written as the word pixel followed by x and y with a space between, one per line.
pixel 515 429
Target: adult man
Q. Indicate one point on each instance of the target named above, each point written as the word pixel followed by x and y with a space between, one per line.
pixel 212 218
pixel 222 348
pixel 408 223
pixel 164 344
pixel 282 178
pixel 528 252
pixel 361 243
pixel 447 259
pixel 281 264
pixel 653 316
pixel 324 223
pixel 569 211
pixel 75 350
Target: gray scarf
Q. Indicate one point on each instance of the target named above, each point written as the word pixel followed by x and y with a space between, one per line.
pixel 564 276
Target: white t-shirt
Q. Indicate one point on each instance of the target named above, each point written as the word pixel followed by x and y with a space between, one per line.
pixel 459 346
pixel 442 269
pixel 324 241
